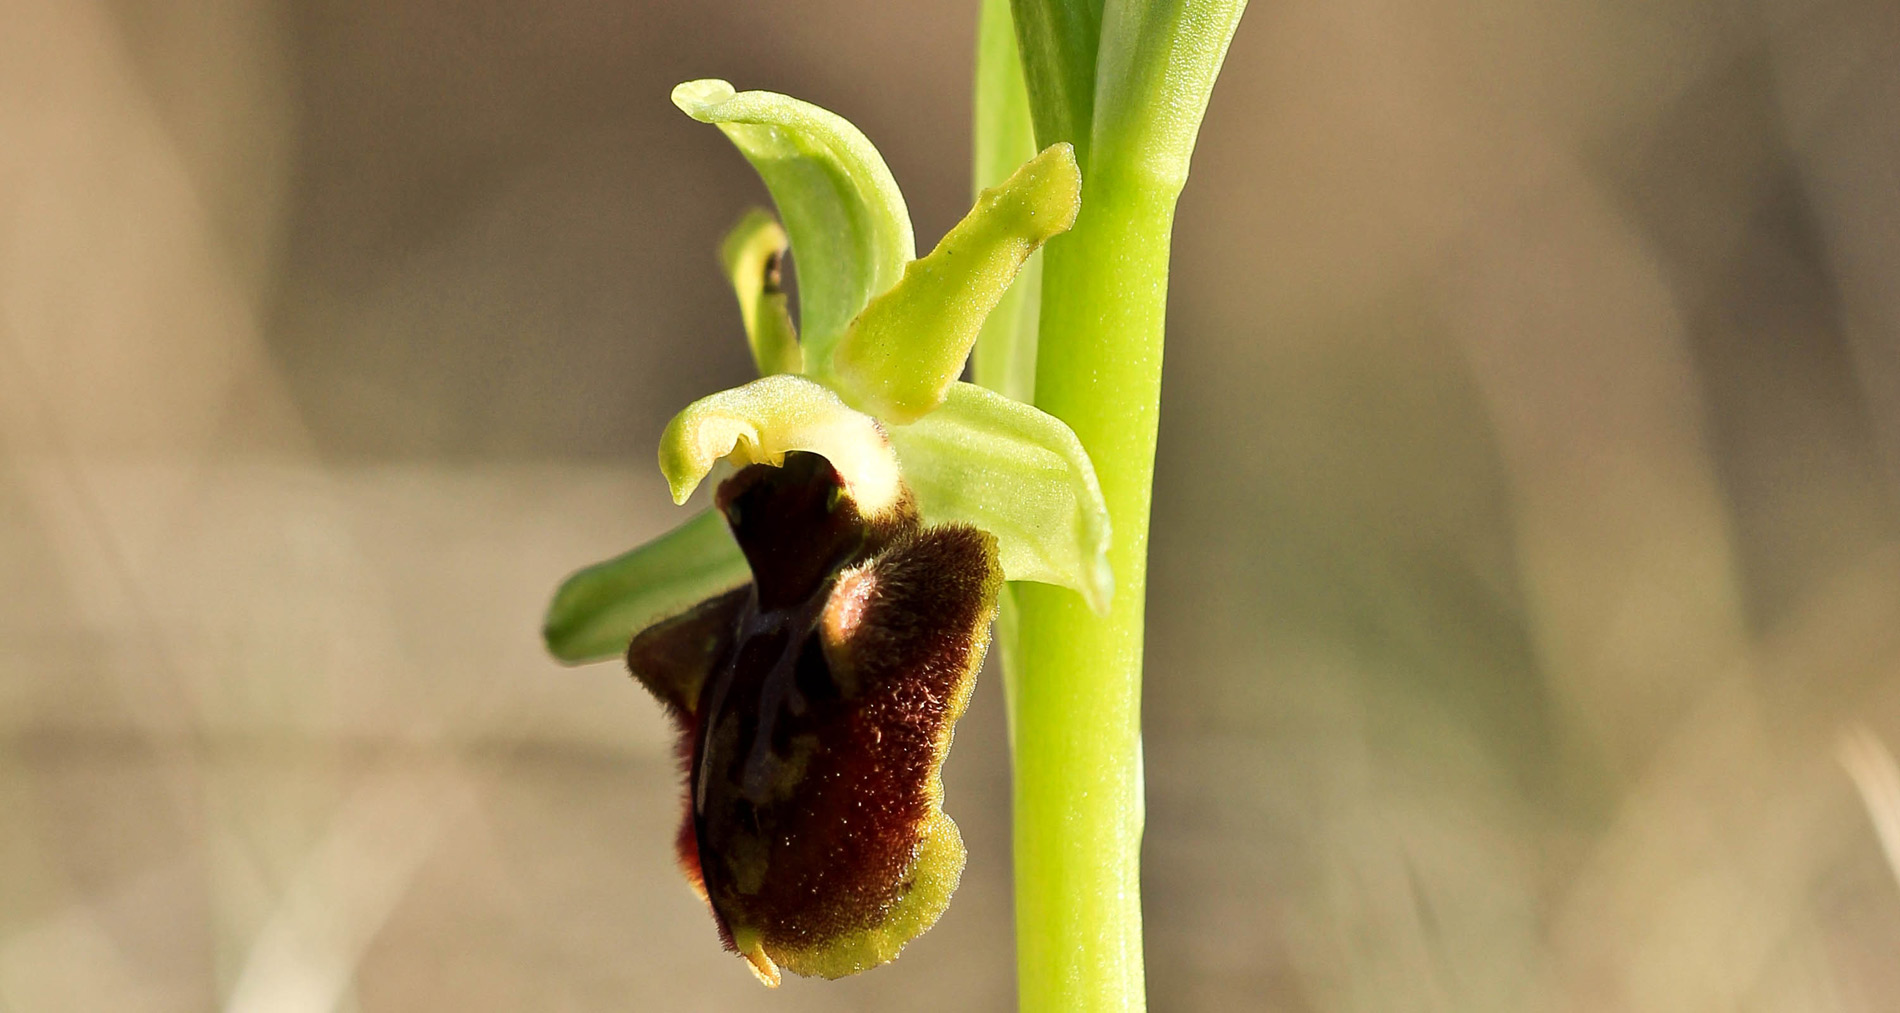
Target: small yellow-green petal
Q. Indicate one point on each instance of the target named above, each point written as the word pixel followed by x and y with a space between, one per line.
pixel 849 227
pixel 770 417
pixel 753 254
pixel 1019 474
pixel 908 346
pixel 598 610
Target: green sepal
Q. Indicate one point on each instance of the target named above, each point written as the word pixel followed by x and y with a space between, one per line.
pixel 904 351
pixel 849 227
pixel 753 254
pixel 1019 474
pixel 598 610
pixel 762 421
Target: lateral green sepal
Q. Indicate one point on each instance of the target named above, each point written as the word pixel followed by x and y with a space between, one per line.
pixel 1019 474
pixel 598 610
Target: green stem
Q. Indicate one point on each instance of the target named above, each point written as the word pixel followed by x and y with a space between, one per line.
pixel 1076 680
pixel 1078 778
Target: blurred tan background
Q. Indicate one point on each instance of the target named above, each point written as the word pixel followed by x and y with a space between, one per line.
pixel 1526 575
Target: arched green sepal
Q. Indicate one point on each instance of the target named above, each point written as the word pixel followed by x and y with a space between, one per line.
pixel 904 351
pixel 753 254
pixel 1019 474
pixel 849 228
pixel 598 610
pixel 770 417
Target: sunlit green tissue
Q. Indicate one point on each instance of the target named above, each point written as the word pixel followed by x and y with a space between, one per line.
pixel 870 383
pixel 597 610
pixel 900 356
pixel 846 218
pixel 1019 474
pixel 770 417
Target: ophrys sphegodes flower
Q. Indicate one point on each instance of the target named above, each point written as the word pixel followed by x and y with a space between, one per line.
pixel 817 633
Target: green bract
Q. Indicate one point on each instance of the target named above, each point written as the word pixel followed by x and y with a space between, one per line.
pixel 871 384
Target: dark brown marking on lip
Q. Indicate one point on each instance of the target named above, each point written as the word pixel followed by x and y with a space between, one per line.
pixel 673 659
pixel 823 715
pixel 798 528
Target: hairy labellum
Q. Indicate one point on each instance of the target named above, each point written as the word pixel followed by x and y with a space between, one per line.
pixel 815 707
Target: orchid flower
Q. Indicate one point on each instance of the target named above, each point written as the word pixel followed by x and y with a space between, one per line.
pixel 816 633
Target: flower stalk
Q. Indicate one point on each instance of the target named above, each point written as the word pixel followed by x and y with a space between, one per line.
pixel 1130 99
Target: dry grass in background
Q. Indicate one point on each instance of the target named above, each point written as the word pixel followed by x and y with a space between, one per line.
pixel 1526 577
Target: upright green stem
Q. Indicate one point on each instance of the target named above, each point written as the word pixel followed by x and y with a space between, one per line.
pixel 1078 777
pixel 1076 679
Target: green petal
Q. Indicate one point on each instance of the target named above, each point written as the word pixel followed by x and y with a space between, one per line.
pixel 770 417
pixel 752 254
pixel 909 345
pixel 597 611
pixel 848 224
pixel 1019 474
